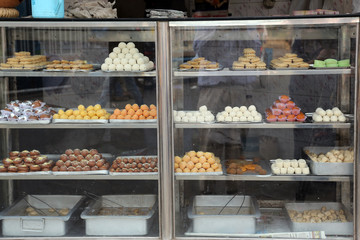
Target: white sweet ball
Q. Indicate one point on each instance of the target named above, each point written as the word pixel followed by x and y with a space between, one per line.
pixel 329 112
pixel 108 60
pixel 337 112
pixel 209 118
pixel 335 108
pixel 243 119
pixel 135 67
pixel 257 118
pixel 322 113
pixel 112 67
pixel 177 119
pixel 125 50
pixel 334 119
pixel 318 110
pixel 342 118
pixel 128 56
pixel 228 109
pixel 232 114
pixel 225 114
pixel 326 119
pixel 134 50
pixel 143 67
pixel 228 119
pixel 250 118
pixel 247 113
pixel 117 50
pixel 236 119
pixel 203 108
pixel 146 59
pixel 133 62
pixel 140 61
pixel 192 119
pixel 181 113
pixel 252 108
pixel 121 56
pixel 130 45
pixel 105 67
pixel 317 118
pixel 127 67
pixel 197 113
pixel 254 113
pixel 236 109
pixel 124 61
pixel 175 113
pixel 141 55
pixel 239 114
pixel 188 114
pixel 119 67
pixel 243 108
pixel 136 56
pixel 122 45
pixel 185 119
pixel 200 118
pixel 117 61
pixel 150 65
pixel 113 55
pixel 259 114
pixel 220 118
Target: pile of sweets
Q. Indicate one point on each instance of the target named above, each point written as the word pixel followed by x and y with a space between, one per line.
pixel 284 110
pixel 134 112
pixel 126 57
pixel 327 63
pixel 199 63
pixel 69 65
pixel 202 115
pixel 239 114
pixel 24 60
pixel 290 60
pixel 328 115
pixel 82 113
pixel 248 61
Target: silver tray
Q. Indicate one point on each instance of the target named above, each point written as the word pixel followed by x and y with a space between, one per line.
pixel 26 122
pixel 330 228
pixel 149 70
pixel 109 225
pixel 96 121
pixel 132 121
pixel 312 66
pixel 273 161
pixel 15 225
pixel 21 70
pixel 200 173
pixel 292 68
pixel 238 122
pixel 318 168
pixel 37 173
pixel 76 173
pixel 263 164
pixel 247 69
pixel 202 69
pixel 228 222
pixel 134 173
pixel 95 67
pixel 348 117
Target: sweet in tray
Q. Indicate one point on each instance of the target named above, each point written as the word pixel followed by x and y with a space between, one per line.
pixel 82 113
pixel 202 115
pixel 81 160
pixel 69 65
pixel 24 61
pixel 289 167
pixel 289 60
pixel 332 156
pixel 134 112
pixel 284 110
pixel 248 61
pixel 328 115
pixel 331 63
pixel 320 215
pixel 134 164
pixel 197 162
pixel 24 111
pixel 199 64
pixel 26 161
pixel 126 57
pixel 239 114
pixel 243 166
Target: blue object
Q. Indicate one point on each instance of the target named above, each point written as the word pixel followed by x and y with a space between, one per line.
pixel 47 8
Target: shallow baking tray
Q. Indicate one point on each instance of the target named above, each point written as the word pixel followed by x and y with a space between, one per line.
pixel 247 69
pixel 202 69
pixel 149 70
pixel 239 215
pixel 95 67
pixel 330 228
pixel 318 168
pixel 119 225
pixel 21 70
pixel 14 224
pixel 135 173
pixel 312 66
pixel 37 173
pixel 95 121
pixel 263 164
pixel 349 117
pixel 200 173
pixel 287 68
pixel 132 121
pixel 26 122
pixel 239 122
pixel 273 161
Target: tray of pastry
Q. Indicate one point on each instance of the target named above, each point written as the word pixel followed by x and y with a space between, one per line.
pixel 134 165
pixel 253 166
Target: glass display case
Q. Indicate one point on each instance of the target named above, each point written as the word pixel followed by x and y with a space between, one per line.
pixel 173 129
pixel 264 131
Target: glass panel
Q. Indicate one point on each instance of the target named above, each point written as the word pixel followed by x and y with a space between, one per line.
pixel 98 112
pixel 264 133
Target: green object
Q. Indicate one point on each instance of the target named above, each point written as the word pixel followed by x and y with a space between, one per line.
pixel 344 63
pixel 332 65
pixel 330 61
pixel 319 63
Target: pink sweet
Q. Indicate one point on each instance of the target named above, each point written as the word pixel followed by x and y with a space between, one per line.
pixel 280 105
pixel 276 111
pixel 296 110
pixel 287 111
pixel 290 104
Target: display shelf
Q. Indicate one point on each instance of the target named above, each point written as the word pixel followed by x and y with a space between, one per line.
pixel 81 177
pixel 82 125
pixel 98 73
pixel 308 178
pixel 263 125
pixel 226 72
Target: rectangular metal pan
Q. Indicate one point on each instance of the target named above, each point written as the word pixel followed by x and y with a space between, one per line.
pixel 135 173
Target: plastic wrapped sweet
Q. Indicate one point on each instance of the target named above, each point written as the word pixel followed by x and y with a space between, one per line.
pixel 284 110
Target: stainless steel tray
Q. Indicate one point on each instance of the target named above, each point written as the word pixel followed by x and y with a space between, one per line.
pixel 247 69
pixel 239 217
pixel 67 173
pixel 200 174
pixel 273 161
pixel 14 224
pixel 119 224
pixel 26 122
pixel 330 228
pixel 318 168
pixel 132 121
pixel 97 121
pixel 263 164
pixel 135 173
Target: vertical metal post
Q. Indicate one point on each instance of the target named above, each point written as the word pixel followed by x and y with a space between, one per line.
pixel 165 131
pixel 356 140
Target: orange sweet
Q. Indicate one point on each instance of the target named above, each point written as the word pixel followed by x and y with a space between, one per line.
pixel 152 106
pixel 117 111
pixel 149 117
pixel 128 107
pixel 135 117
pixel 128 117
pixel 141 117
pixel 113 116
pixel 153 112
pixel 135 107
pixel 120 117
pixel 144 107
pixel 131 112
pixel 123 112
pixel 146 113
pixel 139 112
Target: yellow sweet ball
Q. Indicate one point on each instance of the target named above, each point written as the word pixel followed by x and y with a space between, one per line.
pixel 100 113
pixel 178 170
pixel 107 115
pixel 103 117
pixel 191 153
pixel 61 112
pixel 86 118
pixel 94 118
pixel 97 107
pixel 69 112
pixel 177 159
pixel 90 108
pixel 76 112
pixel 81 107
pixel 56 116
pixel 79 117
pixel 72 117
pixel 91 113
pixel 83 113
pixel 63 116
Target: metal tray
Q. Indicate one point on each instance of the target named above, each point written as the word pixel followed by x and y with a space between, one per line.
pixel 21 70
pixel 273 161
pixel 263 164
pixel 274 68
pixel 149 70
pixel 230 222
pixel 202 69
pixel 330 228
pixel 97 121
pixel 14 224
pixel 135 173
pixel 132 121
pixel 37 173
pixel 119 225
pixel 349 117
pixel 74 173
pixel 26 122
pixel 322 68
pixel 200 174
pixel 95 67
pixel 247 69
pixel 238 122
pixel 318 168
